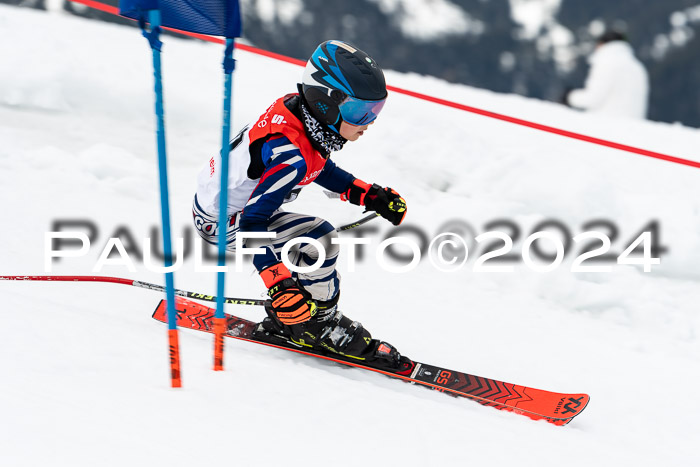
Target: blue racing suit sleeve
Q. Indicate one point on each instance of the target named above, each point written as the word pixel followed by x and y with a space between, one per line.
pixel 284 169
pixel 334 178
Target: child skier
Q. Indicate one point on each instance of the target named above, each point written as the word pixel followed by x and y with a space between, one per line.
pixel 289 146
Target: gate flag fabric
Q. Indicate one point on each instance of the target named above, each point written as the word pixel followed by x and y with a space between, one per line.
pixel 212 17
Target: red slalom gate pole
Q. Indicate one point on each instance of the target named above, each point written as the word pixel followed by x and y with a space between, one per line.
pixel 219 331
pixel 174 345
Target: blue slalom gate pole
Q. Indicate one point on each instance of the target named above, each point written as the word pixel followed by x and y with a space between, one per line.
pixel 219 316
pixel 156 44
pixel 212 17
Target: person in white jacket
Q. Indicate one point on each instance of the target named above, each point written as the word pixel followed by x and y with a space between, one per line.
pixel 617 83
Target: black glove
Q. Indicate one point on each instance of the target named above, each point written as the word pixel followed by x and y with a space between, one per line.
pixel 291 304
pixel 385 201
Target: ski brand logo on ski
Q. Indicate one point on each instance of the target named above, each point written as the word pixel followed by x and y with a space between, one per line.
pixel 571 406
pixel 444 377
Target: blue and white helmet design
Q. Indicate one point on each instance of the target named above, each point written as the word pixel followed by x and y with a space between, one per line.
pixel 342 83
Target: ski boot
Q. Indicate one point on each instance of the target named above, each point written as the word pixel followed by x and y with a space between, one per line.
pixel 329 332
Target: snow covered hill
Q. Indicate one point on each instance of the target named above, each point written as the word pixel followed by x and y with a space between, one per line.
pixel 84 368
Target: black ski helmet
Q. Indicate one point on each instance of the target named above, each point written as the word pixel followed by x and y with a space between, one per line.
pixel 341 82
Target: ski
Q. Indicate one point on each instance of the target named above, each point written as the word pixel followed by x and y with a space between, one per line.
pixel 554 407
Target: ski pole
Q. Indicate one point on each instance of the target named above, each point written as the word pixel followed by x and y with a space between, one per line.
pixel 135 283
pixel 357 223
pixel 352 225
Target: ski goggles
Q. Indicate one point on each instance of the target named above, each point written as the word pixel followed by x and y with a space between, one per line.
pixel 360 112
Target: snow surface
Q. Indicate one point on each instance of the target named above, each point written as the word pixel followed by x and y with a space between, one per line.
pixel 84 368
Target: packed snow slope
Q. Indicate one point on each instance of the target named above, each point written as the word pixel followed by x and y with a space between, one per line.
pixel 84 369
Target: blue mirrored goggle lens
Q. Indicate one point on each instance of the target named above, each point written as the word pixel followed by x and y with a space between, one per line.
pixel 359 112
